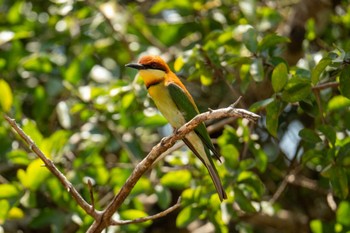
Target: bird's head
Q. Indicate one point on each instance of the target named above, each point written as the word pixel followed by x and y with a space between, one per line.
pixel 150 62
pixel 151 68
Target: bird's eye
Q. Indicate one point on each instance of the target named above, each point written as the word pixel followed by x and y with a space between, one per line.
pixel 153 65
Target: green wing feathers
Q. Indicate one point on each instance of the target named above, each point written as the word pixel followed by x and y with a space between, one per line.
pixel 189 111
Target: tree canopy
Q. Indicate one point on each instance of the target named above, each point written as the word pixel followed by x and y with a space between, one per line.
pixel 63 79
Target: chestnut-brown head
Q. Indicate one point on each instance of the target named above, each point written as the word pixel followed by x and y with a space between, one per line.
pixel 150 62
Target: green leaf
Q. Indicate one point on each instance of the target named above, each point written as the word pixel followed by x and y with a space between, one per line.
pixel 6 96
pixel 176 179
pixel 339 181
pixel 243 202
pixel 18 156
pixel 5 207
pixel 260 104
pixel 179 63
pixel 315 157
pixel 34 176
pixel 164 196
pixel 31 129
pixel 309 135
pixel 73 73
pixel 344 155
pixel 135 214
pixel 250 40
pixel 231 155
pixel 297 89
pixel 343 213
pixel 261 158
pixel 271 40
pixel 319 68
pixel 279 77
pixel 188 215
pixel 329 132
pixel 8 191
pixel 273 111
pixel 316 226
pixel 38 63
pixel 338 102
pixel 257 70
pixel 344 82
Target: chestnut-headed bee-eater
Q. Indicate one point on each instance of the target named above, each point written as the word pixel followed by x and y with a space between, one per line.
pixel 177 106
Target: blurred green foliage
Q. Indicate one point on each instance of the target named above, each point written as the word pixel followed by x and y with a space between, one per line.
pixel 62 77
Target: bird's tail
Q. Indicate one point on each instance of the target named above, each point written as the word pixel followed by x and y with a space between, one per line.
pixel 216 180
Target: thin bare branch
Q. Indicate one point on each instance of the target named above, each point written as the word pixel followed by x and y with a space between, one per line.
pixel 325 86
pixel 148 218
pixel 53 169
pixel 91 191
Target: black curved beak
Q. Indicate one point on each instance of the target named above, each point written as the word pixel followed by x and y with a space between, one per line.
pixel 136 66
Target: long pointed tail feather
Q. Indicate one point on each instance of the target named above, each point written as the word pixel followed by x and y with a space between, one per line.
pixel 216 180
pixel 211 169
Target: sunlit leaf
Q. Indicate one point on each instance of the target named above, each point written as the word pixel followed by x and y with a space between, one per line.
pixel 5 207
pixel 319 68
pixel 73 72
pixel 231 155
pixel 343 213
pixel 279 77
pixel 6 98
pixel 187 215
pixel 338 102
pixel 31 129
pixel 179 63
pixel 176 179
pixel 134 214
pixel 8 191
pixel 15 213
pixel 34 175
pixel 18 157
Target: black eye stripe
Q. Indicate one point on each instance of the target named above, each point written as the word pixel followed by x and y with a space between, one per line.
pixel 155 66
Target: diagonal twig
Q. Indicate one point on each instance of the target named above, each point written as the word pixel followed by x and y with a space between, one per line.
pixel 53 169
pixel 148 218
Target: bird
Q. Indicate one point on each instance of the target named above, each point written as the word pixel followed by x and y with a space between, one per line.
pixel 176 104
